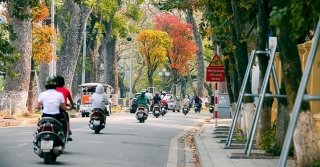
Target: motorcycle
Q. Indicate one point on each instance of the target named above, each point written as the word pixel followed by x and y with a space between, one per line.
pixel 163 110
pixel 141 114
pixel 211 108
pixel 156 110
pixel 97 120
pixel 185 109
pixel 197 107
pixel 50 139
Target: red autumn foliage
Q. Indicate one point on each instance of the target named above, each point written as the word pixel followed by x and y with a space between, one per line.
pixel 184 47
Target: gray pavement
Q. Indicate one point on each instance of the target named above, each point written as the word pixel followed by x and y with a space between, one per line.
pixel 211 153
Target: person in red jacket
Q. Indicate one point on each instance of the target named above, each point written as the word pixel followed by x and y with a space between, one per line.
pixel 67 95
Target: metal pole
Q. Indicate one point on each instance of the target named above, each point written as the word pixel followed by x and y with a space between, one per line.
pixel 131 57
pixel 51 65
pixel 84 55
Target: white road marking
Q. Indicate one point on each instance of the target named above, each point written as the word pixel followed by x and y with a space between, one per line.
pixel 22 144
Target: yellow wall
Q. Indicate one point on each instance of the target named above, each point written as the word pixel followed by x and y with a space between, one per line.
pixel 313 86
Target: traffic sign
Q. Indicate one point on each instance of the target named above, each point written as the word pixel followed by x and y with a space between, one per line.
pixel 216 62
pixel 215 74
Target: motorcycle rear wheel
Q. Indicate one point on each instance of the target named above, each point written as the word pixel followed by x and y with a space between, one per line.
pixel 49 158
pixel 97 131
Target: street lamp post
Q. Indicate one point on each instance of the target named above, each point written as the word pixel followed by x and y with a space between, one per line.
pixel 52 65
pixel 131 57
pixel 164 74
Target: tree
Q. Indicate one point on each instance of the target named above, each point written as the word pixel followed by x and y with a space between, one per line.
pixel 72 31
pixel 154 47
pixel 16 88
pixel 42 50
pixel 290 19
pixel 184 47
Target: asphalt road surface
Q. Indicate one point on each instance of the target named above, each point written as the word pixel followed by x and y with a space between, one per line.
pixel 124 142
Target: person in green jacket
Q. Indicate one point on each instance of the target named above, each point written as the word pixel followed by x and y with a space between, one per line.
pixel 143 99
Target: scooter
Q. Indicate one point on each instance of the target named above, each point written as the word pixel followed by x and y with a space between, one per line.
pixel 185 109
pixel 141 114
pixel 50 139
pixel 156 110
pixel 197 108
pixel 97 120
pixel 211 108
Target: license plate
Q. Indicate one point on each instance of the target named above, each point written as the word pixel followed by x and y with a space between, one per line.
pixel 157 112
pixel 140 115
pixel 96 122
pixel 46 144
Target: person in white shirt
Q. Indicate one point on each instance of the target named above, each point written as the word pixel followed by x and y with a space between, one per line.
pixel 50 101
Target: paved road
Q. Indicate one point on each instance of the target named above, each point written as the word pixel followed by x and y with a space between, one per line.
pixel 124 142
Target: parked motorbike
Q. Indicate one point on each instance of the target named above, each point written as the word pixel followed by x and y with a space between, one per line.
pixel 97 120
pixel 141 114
pixel 49 139
pixel 197 107
pixel 156 110
pixel 211 108
pixel 185 109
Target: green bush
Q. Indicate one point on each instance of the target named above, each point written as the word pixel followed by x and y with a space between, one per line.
pixel 268 142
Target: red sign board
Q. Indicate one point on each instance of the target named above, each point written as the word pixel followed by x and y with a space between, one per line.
pixel 215 74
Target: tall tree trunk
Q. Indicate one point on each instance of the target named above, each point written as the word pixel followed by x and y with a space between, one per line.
pixel 242 62
pixel 31 92
pixel 93 49
pixel 72 44
pixel 191 81
pixel 209 88
pixel 304 137
pixel 139 74
pixel 282 120
pixel 232 61
pixel 16 89
pixel 43 75
pixel 265 117
pixel 200 59
pixel 111 68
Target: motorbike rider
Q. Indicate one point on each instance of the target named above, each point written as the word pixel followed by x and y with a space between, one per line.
pixel 51 100
pixel 212 99
pixel 156 100
pixel 186 101
pixel 197 100
pixel 143 100
pixel 99 99
pixel 67 95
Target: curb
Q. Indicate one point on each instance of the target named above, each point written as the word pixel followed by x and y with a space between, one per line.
pixel 202 152
pixel 75 115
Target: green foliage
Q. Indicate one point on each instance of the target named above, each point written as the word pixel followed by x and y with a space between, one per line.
pixel 19 7
pixel 8 54
pixel 316 164
pixel 301 14
pixel 268 142
pixel 134 12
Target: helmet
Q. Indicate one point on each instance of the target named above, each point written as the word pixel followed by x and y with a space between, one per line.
pixel 51 81
pixel 143 91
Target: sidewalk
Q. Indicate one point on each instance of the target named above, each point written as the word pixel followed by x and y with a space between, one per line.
pixel 6 121
pixel 211 151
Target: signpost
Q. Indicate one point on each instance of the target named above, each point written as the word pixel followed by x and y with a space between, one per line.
pixel 215 73
pixel 215 70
